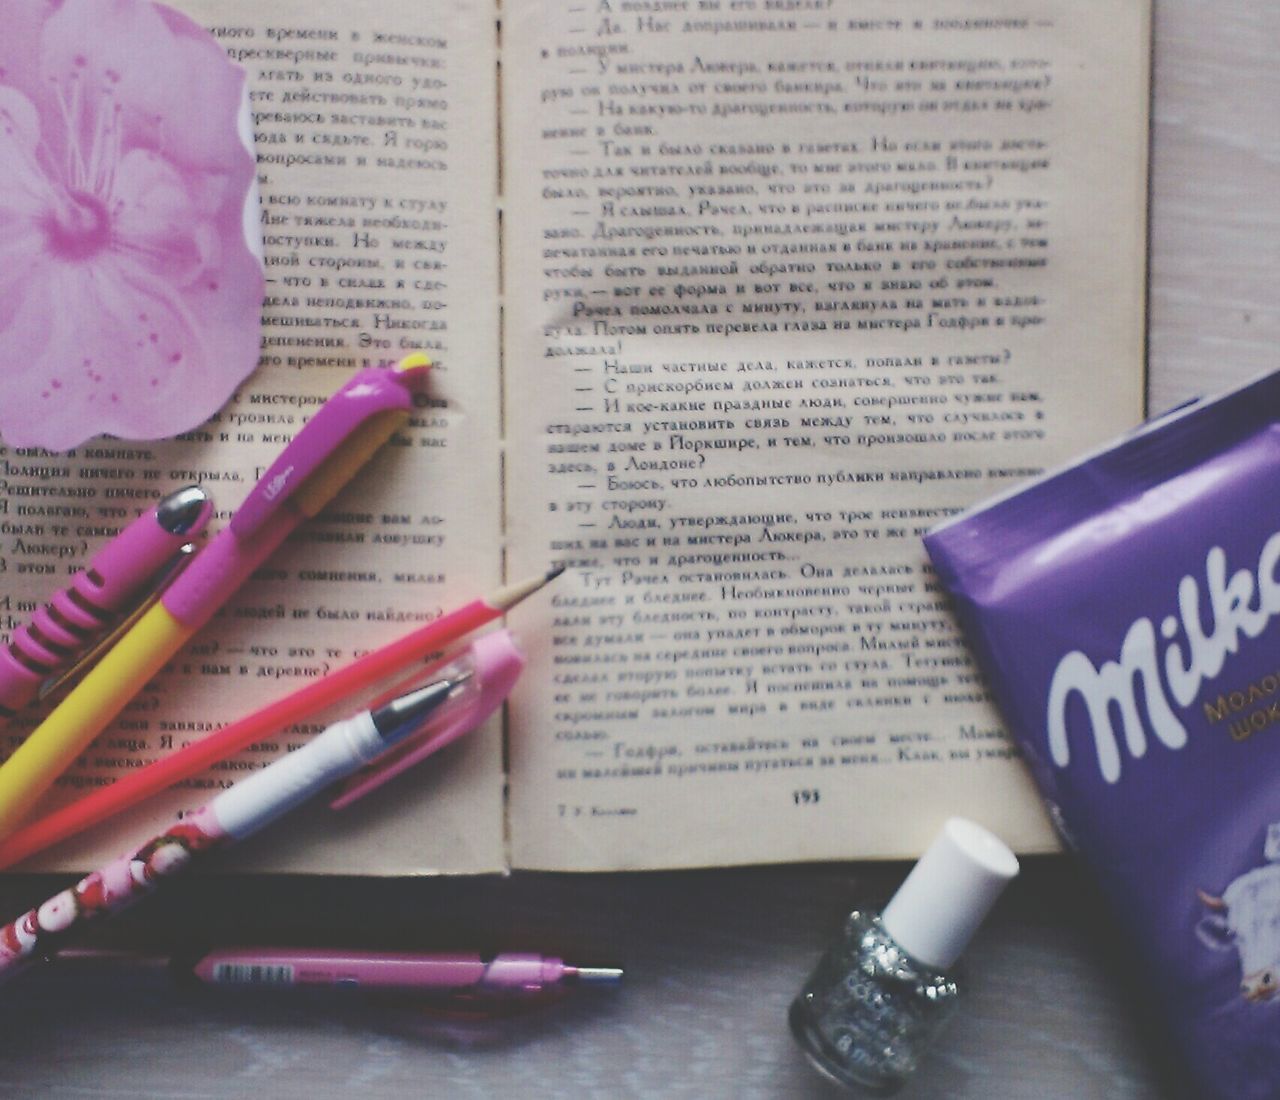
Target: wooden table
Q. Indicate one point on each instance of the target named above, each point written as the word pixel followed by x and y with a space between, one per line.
pixel 713 958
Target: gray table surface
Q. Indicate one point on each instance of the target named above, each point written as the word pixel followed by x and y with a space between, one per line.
pixel 713 958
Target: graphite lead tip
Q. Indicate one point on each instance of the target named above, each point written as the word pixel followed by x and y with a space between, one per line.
pixel 183 510
pixel 594 975
pixel 506 598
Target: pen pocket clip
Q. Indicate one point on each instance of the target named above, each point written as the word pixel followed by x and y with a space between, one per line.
pixel 147 598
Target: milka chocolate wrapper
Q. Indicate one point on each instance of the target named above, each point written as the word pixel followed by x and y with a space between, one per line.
pixel 1126 614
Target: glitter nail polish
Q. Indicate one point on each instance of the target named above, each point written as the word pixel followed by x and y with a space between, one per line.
pixel 879 996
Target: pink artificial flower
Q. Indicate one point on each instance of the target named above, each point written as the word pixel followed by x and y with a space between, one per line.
pixel 129 296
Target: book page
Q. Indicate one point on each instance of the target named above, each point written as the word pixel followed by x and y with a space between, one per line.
pixel 376 151
pixel 788 282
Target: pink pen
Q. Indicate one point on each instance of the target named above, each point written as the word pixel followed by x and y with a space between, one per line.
pixel 63 632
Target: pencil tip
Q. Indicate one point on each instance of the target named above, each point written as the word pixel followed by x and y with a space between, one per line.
pixel 511 595
pixel 595 975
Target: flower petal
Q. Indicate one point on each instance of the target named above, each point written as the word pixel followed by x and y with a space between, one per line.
pixel 23 20
pixel 26 188
pixel 153 218
pixel 142 360
pixel 22 257
pixel 169 74
pixel 25 346
pixel 129 298
pixel 101 374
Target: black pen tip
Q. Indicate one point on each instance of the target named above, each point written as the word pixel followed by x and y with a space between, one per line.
pixel 405 715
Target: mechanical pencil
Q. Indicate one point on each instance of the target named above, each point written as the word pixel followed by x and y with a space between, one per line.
pixel 506 975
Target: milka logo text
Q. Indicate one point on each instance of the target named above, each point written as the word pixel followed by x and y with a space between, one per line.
pixel 1242 604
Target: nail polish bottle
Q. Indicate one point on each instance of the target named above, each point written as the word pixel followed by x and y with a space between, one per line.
pixel 880 994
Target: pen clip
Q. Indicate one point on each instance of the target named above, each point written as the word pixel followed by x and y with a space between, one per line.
pixel 112 581
pixel 147 598
pixel 497 661
pixel 371 391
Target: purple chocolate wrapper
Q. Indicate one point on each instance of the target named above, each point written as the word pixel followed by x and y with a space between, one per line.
pixel 1126 614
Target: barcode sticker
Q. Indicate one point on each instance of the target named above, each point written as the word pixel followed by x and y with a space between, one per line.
pixel 245 974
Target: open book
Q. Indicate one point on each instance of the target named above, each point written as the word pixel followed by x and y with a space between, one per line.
pixel 731 300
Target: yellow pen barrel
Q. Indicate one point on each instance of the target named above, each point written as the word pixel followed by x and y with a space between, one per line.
pixel 86 712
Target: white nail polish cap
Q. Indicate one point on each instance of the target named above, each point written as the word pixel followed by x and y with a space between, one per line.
pixel 949 893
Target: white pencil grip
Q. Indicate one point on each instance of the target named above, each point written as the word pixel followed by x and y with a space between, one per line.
pixel 262 797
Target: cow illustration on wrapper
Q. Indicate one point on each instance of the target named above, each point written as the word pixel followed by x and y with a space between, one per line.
pixel 1246 917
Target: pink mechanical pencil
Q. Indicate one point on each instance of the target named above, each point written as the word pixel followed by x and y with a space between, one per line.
pixel 508 976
